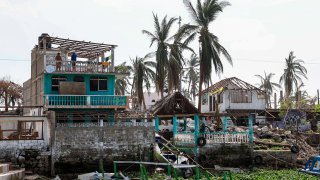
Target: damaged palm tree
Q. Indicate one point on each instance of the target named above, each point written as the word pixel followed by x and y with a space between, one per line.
pixel 210 49
pixel 143 76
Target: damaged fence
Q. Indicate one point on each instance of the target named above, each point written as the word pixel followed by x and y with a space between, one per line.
pixel 199 136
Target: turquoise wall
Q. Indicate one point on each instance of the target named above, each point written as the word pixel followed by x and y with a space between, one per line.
pixel 86 77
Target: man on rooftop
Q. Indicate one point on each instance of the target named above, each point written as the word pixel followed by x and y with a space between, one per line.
pixel 74 59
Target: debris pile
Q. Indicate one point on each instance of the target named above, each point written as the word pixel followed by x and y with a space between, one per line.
pixel 267 138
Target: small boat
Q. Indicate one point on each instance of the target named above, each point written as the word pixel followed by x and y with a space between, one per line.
pixel 167 156
pixel 312 166
pixel 163 153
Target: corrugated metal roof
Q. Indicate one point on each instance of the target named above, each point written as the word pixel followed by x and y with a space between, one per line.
pixel 238 83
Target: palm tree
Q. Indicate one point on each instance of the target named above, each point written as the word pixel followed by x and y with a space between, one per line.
pixel 122 82
pixel 267 86
pixel 191 72
pixel 143 75
pixel 291 76
pixel 162 38
pixel 176 59
pixel 209 49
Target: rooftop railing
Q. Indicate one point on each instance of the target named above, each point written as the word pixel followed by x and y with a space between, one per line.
pixel 78 66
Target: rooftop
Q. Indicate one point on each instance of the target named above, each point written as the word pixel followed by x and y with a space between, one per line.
pixel 238 83
pixel 83 49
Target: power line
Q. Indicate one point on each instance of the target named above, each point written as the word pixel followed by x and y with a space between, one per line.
pixel 267 61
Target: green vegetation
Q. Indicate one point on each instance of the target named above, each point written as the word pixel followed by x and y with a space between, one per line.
pixel 272 174
pixel 260 174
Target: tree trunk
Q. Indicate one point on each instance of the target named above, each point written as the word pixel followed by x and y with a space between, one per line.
pixel 144 104
pixel 201 78
pixel 200 89
pixel 6 103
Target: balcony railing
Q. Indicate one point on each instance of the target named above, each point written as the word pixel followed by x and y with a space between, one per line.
pixel 85 101
pixel 78 66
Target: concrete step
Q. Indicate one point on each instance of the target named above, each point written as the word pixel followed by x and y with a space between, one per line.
pixel 17 174
pixel 4 168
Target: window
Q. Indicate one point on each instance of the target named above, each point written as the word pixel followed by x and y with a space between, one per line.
pixel 241 96
pixel 204 99
pixel 98 84
pixel 78 79
pixel 55 82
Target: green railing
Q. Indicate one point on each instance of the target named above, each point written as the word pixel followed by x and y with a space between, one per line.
pixel 84 100
pixel 108 100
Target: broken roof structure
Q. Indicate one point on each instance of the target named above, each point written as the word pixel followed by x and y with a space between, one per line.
pixel 83 49
pixel 238 84
pixel 172 104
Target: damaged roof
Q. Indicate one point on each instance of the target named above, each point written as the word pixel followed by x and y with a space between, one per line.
pixel 83 49
pixel 174 103
pixel 238 83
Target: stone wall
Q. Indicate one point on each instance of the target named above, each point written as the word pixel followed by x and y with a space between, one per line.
pixel 10 149
pixel 274 158
pixel 230 155
pixel 33 155
pixel 81 146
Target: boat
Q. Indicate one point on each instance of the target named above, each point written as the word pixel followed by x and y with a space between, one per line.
pixel 163 153
pixel 312 166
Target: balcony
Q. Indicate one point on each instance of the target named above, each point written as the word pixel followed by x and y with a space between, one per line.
pixel 78 66
pixel 85 101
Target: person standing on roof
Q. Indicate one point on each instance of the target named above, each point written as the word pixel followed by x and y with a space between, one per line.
pixel 74 59
pixel 58 62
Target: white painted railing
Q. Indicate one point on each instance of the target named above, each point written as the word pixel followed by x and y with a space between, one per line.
pixel 227 138
pixel 77 66
pixel 184 138
pixel 213 138
pixel 106 124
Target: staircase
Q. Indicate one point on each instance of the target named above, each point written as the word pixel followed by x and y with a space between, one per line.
pixel 167 149
pixel 8 172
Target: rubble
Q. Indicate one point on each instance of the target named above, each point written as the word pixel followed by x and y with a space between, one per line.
pixel 283 139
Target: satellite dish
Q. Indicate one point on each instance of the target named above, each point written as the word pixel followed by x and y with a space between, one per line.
pixel 50 69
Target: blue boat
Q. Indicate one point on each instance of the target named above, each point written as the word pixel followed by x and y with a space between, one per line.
pixel 312 166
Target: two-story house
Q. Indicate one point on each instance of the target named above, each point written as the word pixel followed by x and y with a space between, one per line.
pixel 236 97
pixel 78 91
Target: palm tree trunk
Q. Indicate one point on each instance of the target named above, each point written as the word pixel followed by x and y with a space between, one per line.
pixel 144 104
pixel 200 89
pixel 189 85
pixel 201 78
pixel 6 103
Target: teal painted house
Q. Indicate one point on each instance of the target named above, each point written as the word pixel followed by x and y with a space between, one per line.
pixel 81 91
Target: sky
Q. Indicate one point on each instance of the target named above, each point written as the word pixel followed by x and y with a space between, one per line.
pixel 258 34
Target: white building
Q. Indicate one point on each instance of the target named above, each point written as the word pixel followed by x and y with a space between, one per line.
pixel 233 95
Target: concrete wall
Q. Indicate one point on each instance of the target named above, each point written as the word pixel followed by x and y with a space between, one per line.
pixel 229 155
pixel 89 144
pixel 275 158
